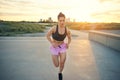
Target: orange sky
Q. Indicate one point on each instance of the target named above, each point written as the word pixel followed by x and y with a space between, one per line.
pixel 80 10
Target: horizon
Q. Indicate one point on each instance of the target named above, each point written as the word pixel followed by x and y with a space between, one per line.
pixel 106 11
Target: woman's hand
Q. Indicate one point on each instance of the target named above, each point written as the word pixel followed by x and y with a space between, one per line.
pixel 67 45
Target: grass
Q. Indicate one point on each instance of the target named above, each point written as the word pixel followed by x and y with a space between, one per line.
pixel 93 26
pixel 9 28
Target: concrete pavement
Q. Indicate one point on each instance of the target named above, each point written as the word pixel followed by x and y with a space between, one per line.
pixel 29 58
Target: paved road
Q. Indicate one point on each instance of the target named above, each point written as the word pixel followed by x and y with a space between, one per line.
pixel 29 58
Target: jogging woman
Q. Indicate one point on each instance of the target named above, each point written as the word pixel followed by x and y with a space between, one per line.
pixel 58 46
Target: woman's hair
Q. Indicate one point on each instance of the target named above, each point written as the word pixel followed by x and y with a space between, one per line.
pixel 61 15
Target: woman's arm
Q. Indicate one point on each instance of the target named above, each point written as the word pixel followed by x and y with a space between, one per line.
pixel 49 33
pixel 69 37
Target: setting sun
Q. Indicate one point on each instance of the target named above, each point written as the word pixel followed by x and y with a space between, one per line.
pixel 78 10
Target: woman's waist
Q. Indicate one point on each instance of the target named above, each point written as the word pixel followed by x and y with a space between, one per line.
pixel 58 42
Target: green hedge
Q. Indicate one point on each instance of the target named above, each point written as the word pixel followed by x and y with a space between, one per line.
pixel 94 26
pixel 12 28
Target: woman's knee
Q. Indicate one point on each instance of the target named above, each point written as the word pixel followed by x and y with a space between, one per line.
pixel 62 63
pixel 56 65
pixel 55 61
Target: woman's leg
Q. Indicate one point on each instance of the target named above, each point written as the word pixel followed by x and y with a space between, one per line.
pixel 62 61
pixel 55 60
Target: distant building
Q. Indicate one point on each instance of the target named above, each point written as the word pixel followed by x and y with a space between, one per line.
pixel 74 20
pixel 41 20
pixel 67 19
pixel 50 19
pixel 1 20
pixel 46 20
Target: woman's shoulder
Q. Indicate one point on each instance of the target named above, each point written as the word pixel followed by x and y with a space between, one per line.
pixel 53 28
pixel 68 30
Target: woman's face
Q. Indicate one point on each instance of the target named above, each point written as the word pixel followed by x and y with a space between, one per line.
pixel 61 21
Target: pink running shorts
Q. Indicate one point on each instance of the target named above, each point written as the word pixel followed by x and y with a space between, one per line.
pixel 60 49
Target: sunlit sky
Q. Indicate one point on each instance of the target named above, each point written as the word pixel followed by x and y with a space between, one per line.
pixel 80 10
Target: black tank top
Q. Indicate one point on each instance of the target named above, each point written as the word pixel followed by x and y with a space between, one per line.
pixel 58 36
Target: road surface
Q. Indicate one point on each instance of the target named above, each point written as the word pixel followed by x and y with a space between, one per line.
pixel 29 58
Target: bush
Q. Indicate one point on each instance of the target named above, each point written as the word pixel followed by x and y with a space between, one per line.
pixel 9 28
pixel 96 26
